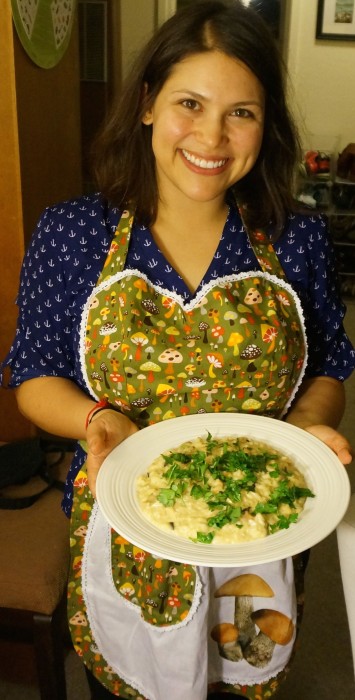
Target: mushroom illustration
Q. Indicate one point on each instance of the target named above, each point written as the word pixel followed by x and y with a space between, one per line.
pixel 226 635
pixel 151 604
pixel 269 335
pixel 191 338
pixel 251 405
pixel 151 309
pixel 164 391
pixel 79 619
pixel 117 379
pixel 275 628
pixel 143 402
pixel 251 352
pixel 139 339
pixel 283 374
pixel 106 331
pixel 230 316
pixel 242 387
pixel 104 370
pixel 234 341
pixel 253 298
pixel 195 383
pixel 141 286
pixel 170 356
pixel 243 588
pixel 97 378
pixel 216 362
pixel 150 367
pixel 218 332
pixel 203 326
pixel 209 393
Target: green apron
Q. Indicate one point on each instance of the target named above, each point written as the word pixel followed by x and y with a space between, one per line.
pixel 239 346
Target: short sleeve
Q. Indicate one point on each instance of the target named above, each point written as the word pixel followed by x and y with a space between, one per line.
pixel 310 266
pixel 61 266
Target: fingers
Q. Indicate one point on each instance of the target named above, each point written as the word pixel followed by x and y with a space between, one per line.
pixel 92 472
pixel 107 430
pixel 345 456
pixel 334 440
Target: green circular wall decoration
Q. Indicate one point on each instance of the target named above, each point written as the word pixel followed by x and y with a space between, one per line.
pixel 44 28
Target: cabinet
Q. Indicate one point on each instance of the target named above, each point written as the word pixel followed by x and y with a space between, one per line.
pixel 323 191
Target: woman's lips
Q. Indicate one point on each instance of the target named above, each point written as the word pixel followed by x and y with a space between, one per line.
pixel 206 165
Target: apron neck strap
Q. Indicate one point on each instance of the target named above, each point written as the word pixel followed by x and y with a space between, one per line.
pixel 262 247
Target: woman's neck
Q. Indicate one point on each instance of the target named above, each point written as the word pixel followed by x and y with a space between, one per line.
pixel 195 215
pixel 189 238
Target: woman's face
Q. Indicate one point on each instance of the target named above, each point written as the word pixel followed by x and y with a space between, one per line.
pixel 207 127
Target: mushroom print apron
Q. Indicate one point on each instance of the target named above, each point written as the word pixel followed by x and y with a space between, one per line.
pixel 145 627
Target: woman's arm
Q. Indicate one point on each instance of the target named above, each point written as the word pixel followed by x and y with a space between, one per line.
pixel 318 409
pixel 60 407
pixel 56 405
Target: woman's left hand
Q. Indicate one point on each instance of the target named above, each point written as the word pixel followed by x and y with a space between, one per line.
pixel 318 408
pixel 337 442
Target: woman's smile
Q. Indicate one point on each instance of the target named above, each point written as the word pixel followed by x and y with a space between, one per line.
pixel 203 163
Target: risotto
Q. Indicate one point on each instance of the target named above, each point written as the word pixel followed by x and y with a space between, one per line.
pixel 222 490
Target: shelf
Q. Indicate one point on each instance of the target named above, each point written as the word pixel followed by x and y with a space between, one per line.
pixel 328 196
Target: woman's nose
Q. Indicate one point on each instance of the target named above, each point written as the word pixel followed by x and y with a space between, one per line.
pixel 211 130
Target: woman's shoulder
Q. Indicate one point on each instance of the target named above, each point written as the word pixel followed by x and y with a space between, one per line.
pixel 309 218
pixel 86 221
pixel 79 212
pixel 306 226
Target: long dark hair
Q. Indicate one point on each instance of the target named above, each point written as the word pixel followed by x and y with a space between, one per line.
pixel 124 163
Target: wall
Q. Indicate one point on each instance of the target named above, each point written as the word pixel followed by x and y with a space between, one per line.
pixel 48 108
pixel 138 20
pixel 323 78
pixel 11 238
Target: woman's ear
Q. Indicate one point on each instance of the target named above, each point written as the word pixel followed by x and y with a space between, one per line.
pixel 147 118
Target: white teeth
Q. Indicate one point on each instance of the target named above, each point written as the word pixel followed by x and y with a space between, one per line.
pixel 202 163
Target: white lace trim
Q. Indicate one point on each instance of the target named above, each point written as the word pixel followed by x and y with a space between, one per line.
pixel 223 678
pixel 189 306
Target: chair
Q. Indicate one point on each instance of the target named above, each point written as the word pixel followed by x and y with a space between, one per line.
pixel 34 561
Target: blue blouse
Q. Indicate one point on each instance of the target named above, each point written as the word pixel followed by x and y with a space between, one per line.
pixel 66 256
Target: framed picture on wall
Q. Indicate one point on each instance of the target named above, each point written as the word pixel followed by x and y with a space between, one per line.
pixel 336 20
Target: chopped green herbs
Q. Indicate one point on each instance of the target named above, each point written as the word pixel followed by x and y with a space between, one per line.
pixel 237 478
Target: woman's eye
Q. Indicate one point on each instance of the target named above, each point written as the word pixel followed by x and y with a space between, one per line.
pixel 243 113
pixel 190 104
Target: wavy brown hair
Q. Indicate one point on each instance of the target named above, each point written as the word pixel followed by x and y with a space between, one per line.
pixel 124 164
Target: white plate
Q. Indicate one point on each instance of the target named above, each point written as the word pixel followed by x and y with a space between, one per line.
pixel 324 474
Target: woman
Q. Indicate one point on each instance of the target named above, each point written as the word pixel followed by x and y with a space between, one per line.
pixel 164 260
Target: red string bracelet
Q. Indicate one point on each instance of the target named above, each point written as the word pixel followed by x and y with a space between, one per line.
pixel 103 403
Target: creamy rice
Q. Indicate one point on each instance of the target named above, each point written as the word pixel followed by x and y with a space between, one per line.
pixel 226 477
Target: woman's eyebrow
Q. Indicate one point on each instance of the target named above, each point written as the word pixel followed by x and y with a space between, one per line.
pixel 199 96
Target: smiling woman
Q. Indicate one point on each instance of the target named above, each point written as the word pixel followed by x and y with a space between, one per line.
pixel 163 296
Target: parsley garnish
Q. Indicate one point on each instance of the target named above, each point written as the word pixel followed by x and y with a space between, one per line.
pixel 220 475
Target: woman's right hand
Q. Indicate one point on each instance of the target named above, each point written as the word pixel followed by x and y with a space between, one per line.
pixel 107 429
